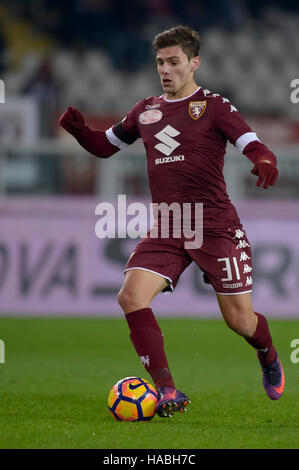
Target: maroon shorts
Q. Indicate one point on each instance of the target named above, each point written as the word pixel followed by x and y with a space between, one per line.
pixel 224 257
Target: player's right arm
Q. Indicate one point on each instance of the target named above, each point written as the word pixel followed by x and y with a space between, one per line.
pixel 100 143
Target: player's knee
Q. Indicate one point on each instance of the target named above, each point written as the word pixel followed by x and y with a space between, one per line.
pixel 128 300
pixel 241 323
pixel 124 299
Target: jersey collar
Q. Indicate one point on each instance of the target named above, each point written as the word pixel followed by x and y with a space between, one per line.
pixel 181 99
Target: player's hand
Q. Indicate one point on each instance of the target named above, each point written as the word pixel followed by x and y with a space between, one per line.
pixel 72 121
pixel 266 172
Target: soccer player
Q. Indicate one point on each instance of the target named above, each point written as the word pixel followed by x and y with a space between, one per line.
pixel 185 131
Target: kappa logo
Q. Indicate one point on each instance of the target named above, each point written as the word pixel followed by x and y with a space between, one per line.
pixel 197 108
pixel 239 233
pixel 232 107
pixel 168 144
pixel 145 360
pixel 244 256
pixel 242 244
pixel 246 269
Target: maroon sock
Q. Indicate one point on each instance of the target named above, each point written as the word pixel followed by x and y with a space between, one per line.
pixel 262 341
pixel 147 339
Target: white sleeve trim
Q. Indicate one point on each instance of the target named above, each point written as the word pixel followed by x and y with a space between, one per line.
pixel 245 139
pixel 115 140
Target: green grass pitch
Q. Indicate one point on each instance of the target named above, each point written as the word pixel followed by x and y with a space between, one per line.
pixel 58 372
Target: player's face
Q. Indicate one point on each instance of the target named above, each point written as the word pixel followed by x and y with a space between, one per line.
pixel 176 70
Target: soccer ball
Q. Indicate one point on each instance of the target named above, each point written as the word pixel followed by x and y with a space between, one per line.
pixel 132 399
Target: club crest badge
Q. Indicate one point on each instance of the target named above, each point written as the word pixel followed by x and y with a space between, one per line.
pixel 197 108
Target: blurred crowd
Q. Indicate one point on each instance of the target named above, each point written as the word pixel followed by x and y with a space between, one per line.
pixel 125 28
pixel 97 55
pixel 98 46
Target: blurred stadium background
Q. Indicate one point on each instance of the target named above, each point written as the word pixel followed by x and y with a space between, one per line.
pixel 96 55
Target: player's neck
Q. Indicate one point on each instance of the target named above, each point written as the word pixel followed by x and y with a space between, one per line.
pixel 183 92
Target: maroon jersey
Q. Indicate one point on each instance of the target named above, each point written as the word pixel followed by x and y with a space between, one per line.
pixel 185 142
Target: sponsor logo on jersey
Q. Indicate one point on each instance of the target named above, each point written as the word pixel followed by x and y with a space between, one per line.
pixel 167 144
pixel 150 116
pixel 197 108
pixel 175 158
pixel 152 106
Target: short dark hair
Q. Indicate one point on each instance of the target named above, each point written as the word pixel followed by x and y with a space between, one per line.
pixel 183 36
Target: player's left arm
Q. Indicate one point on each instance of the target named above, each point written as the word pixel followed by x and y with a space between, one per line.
pixel 264 163
pixel 239 133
